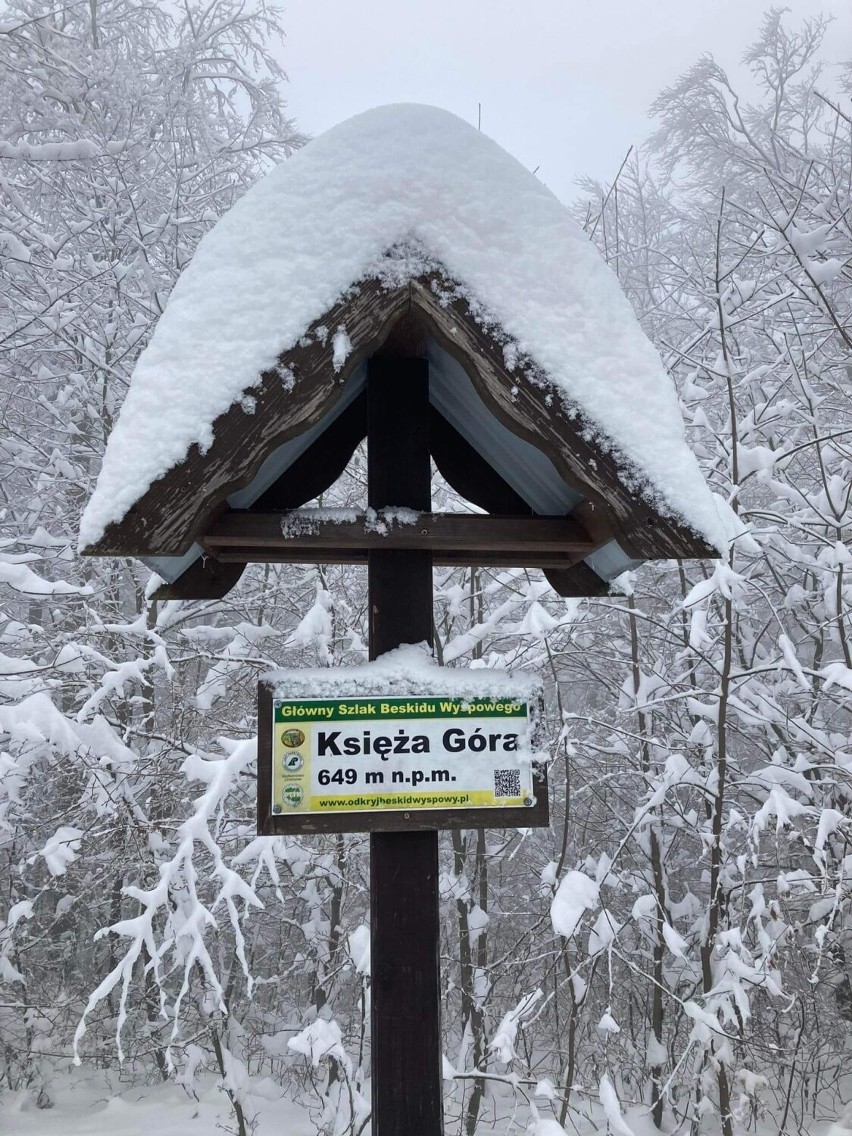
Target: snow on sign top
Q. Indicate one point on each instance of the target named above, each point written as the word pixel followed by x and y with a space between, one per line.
pixel 417 177
pixel 407 671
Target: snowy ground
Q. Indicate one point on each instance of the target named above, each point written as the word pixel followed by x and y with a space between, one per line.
pixel 93 1105
pixel 96 1104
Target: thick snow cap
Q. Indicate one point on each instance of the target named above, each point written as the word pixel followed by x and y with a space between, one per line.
pixel 417 177
pixel 409 671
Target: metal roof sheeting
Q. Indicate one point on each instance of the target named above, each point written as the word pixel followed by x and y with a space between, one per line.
pixel 524 467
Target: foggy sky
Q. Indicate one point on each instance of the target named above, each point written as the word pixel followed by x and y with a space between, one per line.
pixel 565 85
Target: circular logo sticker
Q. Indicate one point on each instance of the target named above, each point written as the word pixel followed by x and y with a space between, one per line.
pixel 292 762
pixel 292 738
pixel 293 796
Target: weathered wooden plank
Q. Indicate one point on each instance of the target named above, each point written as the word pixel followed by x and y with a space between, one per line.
pixel 167 518
pixel 547 561
pixel 308 530
pixel 534 411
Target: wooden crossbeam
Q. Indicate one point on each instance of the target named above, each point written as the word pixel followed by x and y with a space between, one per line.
pixel 546 561
pixel 452 538
pixel 211 576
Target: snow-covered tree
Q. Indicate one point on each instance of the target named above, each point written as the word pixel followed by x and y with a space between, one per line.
pixel 679 943
pixel 128 129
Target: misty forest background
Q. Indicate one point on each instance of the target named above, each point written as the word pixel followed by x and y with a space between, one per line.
pixel 699 718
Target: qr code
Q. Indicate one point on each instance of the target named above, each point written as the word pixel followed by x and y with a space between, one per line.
pixel 507 782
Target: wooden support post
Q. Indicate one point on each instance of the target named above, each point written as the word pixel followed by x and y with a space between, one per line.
pixel 406 991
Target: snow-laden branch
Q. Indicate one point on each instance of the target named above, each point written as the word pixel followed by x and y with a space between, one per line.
pixel 176 904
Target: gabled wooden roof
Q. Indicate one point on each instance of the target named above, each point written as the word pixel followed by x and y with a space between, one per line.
pixel 295 407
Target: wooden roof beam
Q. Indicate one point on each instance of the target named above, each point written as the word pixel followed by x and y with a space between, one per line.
pixel 547 561
pixel 308 530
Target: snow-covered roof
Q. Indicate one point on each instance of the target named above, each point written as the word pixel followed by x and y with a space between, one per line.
pixel 392 195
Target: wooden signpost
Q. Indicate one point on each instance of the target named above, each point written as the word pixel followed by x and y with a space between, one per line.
pixel 555 499
pixel 404 920
pixel 404 910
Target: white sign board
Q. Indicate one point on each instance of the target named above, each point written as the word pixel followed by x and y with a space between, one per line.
pixel 342 755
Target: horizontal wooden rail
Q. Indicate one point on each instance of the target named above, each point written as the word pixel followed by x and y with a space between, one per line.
pixel 546 561
pixel 453 538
